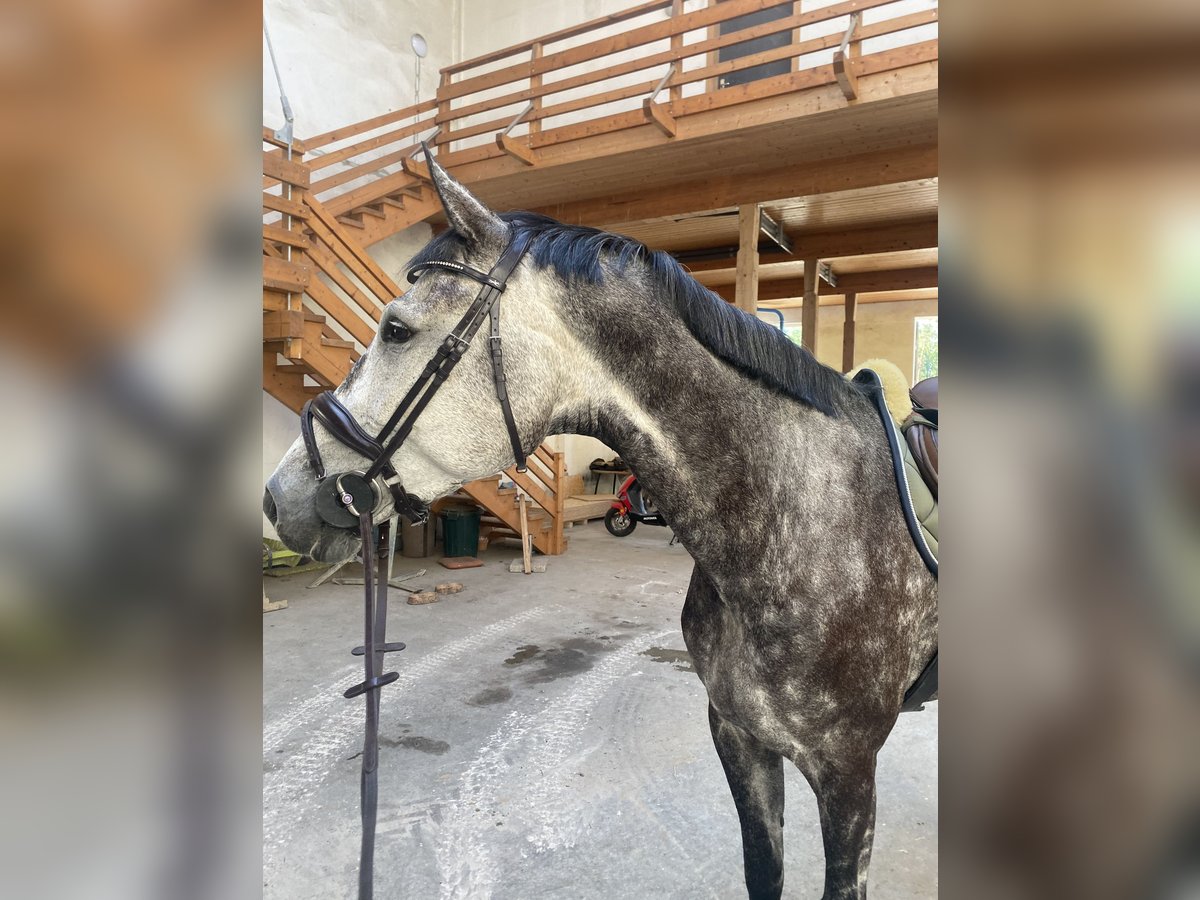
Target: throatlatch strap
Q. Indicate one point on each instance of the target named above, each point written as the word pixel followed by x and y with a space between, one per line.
pixel 502 389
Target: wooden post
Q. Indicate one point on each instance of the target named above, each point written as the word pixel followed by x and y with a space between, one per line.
pixel 443 113
pixel 535 84
pixel 808 313
pixel 746 286
pixel 713 56
pixel 527 563
pixel 848 333
pixel 676 90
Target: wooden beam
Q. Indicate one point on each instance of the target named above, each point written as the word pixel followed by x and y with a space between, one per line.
pixel 516 149
pixel 808 314
pixel 848 332
pixel 416 169
pixel 658 115
pixel 746 286
pixel 719 191
pixel 843 71
pixel 853 282
pixel 919 234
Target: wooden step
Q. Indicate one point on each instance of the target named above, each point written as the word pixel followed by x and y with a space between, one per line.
pixel 395 202
pixel 369 210
pixel 327 341
pixel 349 219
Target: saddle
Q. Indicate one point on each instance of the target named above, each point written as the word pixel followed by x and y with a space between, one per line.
pixel 921 431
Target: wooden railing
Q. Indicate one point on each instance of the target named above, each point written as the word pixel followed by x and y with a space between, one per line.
pixel 621 71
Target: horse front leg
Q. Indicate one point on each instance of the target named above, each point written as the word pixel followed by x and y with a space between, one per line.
pixel 755 777
pixel 845 791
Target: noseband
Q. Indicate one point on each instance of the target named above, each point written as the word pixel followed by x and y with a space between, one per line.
pixel 363 498
pixel 342 498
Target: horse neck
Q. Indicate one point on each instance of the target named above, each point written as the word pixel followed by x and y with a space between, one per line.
pixel 711 445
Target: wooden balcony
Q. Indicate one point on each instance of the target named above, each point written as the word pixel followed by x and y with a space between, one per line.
pixel 640 114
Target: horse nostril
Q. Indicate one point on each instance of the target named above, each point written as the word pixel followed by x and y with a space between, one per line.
pixel 269 507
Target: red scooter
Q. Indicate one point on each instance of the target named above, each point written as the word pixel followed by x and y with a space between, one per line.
pixel 631 506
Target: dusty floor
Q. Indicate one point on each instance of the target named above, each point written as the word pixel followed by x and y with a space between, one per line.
pixel 547 738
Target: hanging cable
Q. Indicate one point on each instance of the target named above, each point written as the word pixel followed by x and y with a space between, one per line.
pixel 284 133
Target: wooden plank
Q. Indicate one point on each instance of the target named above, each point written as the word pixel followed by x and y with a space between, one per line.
pixel 535 491
pixel 337 246
pixel 268 136
pixel 284 236
pixel 919 234
pixel 279 204
pixel 518 151
pixel 561 35
pixel 391 290
pixel 527 562
pixel 848 332
pixel 340 312
pixel 746 286
pixel 721 192
pixel 846 78
pixel 676 92
pixel 656 114
pixel 535 88
pixel 416 169
pixel 808 314
pixel 286 170
pixel 328 264
pixel 285 276
pixel 371 124
pixel 370 167
pixel 913 278
pixel 343 153
pixel 636 37
pixel 651 61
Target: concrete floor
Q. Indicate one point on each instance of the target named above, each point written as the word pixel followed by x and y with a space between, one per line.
pixel 547 738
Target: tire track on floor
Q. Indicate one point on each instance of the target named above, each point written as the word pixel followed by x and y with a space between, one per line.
pixel 288 787
pixel 539 743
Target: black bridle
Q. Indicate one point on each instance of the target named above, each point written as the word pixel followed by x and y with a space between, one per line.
pixel 361 498
pixel 343 498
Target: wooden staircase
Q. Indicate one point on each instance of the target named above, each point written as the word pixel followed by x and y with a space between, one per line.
pixel 543 484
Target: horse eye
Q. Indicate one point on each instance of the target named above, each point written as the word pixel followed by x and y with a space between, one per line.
pixel 394 331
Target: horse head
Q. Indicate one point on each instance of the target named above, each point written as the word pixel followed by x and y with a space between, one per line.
pixel 462 433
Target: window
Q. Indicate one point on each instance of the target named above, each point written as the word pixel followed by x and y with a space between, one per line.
pixel 794 331
pixel 925 347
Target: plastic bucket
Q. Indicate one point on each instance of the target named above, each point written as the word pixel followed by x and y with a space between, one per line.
pixel 460 529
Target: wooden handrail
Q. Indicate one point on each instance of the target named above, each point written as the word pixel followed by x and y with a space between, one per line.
pixel 788 51
pixel 574 30
pixel 346 131
pixel 665 57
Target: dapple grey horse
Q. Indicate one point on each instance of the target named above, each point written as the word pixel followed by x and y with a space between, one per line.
pixel 809 611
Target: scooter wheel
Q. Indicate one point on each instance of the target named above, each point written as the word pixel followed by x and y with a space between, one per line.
pixel 619 523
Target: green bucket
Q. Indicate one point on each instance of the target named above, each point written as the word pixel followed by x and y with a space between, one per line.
pixel 460 528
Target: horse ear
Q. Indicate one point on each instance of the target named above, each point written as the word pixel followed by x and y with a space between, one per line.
pixel 467 215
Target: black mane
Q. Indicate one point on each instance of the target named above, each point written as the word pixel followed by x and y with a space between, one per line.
pixel 756 349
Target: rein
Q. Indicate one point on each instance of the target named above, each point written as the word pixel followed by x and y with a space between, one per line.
pixel 367 498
